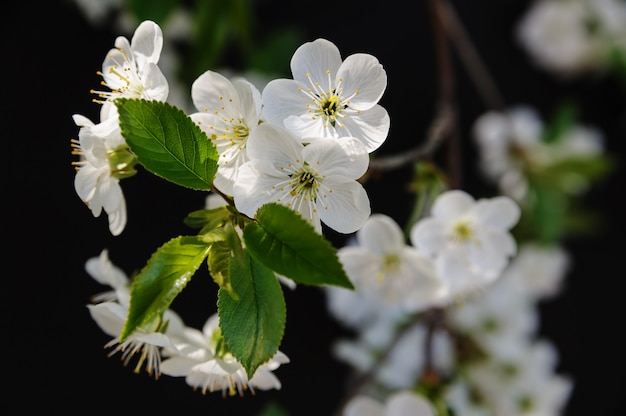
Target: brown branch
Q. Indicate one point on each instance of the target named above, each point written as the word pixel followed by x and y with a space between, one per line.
pixel 470 58
pixel 367 376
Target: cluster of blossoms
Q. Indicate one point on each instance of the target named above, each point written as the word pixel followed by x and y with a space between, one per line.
pixel 454 284
pixel 304 142
pixel 515 150
pixel 462 284
pixel 167 346
pixel 574 37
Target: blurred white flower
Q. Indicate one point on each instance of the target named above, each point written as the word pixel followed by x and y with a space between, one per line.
pixel 522 381
pixel 388 270
pixel 103 271
pixel 202 358
pixel 538 272
pixel 468 239
pixel 571 37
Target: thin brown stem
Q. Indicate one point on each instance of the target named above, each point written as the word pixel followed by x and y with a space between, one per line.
pixel 469 56
pixel 446 88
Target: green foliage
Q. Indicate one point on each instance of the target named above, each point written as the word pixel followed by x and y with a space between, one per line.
pixel 168 143
pixel 164 276
pixel 565 117
pixel 157 11
pixel 252 325
pixel 207 219
pixel 427 183
pixel 219 266
pixel 273 409
pixel 283 241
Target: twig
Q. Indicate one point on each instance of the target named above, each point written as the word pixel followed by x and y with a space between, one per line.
pixel 469 56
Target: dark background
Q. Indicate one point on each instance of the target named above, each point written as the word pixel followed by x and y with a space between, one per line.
pixel 54 350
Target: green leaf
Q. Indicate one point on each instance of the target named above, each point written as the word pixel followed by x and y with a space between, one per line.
pixel 252 326
pixel 207 219
pixel 561 122
pixel 168 143
pixel 163 277
pixel 283 241
pixel 220 255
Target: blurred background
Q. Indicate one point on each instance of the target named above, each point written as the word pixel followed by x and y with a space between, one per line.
pixel 53 49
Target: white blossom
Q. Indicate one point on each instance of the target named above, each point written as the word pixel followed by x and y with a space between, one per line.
pixel 383 266
pixel 469 239
pixel 130 69
pixel 328 97
pixel 201 358
pixel 96 181
pixel 227 112
pixel 318 181
pixel 145 344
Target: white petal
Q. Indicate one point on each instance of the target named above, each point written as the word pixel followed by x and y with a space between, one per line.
pixel 282 99
pixel 406 403
pixel 358 262
pixel 429 235
pixel 452 204
pixel 207 89
pixel 500 212
pixel 263 379
pixel 347 209
pixel 109 316
pixel 363 73
pixel 363 406
pixel 273 143
pixel 345 156
pixel 315 58
pixel 118 218
pixel 177 366
pixel 371 127
pixel 154 82
pixel 147 43
pixel 381 235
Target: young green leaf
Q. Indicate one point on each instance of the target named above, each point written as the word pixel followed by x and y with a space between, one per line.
pixel 168 143
pixel 253 325
pixel 220 254
pixel 283 241
pixel 163 277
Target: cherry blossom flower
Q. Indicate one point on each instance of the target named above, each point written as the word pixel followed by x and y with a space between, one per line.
pixel 573 37
pixel 130 69
pixel 98 172
pixel 146 343
pixel 103 271
pixel 328 97
pixel 318 181
pixel 468 239
pixel 206 364
pixel 382 265
pixel 228 111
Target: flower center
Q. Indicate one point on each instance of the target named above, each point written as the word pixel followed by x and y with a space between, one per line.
pixel 328 103
pixel 462 232
pixel 390 264
pixel 304 183
pixel 131 85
